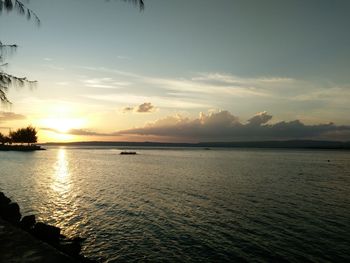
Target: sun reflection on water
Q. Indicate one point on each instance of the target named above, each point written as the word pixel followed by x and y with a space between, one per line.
pixel 61 180
pixel 64 211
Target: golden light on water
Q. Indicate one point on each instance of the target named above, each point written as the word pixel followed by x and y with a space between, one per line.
pixel 61 180
pixel 62 194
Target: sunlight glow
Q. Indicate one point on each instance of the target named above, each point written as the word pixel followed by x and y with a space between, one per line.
pixel 61 118
pixel 63 124
pixel 49 136
pixel 61 182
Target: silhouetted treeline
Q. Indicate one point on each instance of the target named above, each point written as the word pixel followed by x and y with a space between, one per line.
pixel 23 135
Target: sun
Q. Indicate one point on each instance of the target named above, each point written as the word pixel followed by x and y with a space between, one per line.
pixel 62 125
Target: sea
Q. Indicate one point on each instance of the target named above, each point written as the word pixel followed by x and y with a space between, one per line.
pixel 189 204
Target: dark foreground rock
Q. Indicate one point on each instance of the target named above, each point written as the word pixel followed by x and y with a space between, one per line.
pixel 21 248
pixel 18 246
pixel 48 233
pixel 27 223
pixel 11 213
pixel 4 201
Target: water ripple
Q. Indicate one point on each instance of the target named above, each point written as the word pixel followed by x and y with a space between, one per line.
pixel 190 205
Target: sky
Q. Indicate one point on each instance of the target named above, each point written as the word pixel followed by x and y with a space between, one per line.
pixel 181 71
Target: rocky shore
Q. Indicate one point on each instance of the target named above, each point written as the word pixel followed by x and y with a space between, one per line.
pixel 22 239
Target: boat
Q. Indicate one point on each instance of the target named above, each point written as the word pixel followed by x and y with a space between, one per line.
pixel 127 153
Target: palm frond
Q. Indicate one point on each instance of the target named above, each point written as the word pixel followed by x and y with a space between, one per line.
pixel 8 80
pixel 11 5
pixel 139 3
pixel 6 50
pixel 3 97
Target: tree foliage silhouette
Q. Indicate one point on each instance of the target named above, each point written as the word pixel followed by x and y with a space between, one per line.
pixel 24 135
pixel 9 80
pixel 2 138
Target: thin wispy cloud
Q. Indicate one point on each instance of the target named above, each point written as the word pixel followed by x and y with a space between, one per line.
pixel 78 132
pixel 229 79
pixel 217 90
pixel 54 67
pixel 201 91
pixel 217 84
pixel 104 83
pixel 210 83
pixel 10 116
pixel 163 102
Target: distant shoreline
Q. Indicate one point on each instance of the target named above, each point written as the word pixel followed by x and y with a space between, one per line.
pixel 21 148
pixel 291 144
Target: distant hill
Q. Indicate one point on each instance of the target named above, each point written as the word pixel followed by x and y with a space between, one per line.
pixel 292 144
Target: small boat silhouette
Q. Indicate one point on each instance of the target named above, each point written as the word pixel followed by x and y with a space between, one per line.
pixel 127 153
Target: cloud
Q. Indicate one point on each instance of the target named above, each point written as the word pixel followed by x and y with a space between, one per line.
pixel 229 79
pixel 10 116
pixel 260 118
pixel 208 84
pixel 224 126
pixel 203 90
pixel 164 102
pixel 79 132
pixel 128 109
pixel 145 107
pixel 54 67
pixel 104 83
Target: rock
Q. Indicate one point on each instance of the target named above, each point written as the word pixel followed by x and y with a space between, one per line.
pixel 83 259
pixel 4 201
pixel 11 213
pixel 78 239
pixel 70 247
pixel 62 236
pixel 27 222
pixel 48 233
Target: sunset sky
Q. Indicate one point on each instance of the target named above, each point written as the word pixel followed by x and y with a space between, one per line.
pixel 199 70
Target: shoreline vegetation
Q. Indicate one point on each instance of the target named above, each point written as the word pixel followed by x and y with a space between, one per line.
pixel 51 235
pixel 290 144
pixel 21 148
pixel 22 139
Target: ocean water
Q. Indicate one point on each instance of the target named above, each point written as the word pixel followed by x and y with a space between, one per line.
pixel 189 205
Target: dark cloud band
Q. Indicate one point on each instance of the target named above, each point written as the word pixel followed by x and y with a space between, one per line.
pixel 224 126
